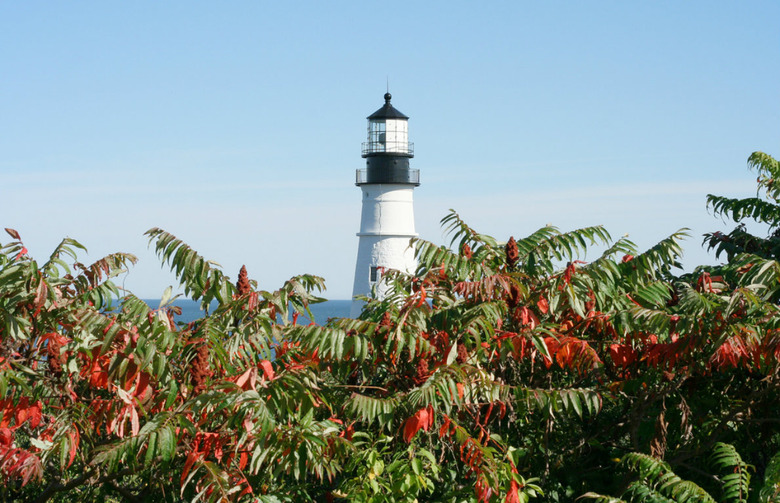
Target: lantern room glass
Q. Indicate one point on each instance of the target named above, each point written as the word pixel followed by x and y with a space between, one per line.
pixel 388 135
pixel 376 136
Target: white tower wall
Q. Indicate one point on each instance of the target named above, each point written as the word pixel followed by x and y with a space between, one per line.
pixel 386 226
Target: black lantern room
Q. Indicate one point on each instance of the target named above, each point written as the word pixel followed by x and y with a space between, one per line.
pixel 388 149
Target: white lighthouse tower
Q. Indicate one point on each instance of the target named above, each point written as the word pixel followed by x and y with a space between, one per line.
pixel 387 218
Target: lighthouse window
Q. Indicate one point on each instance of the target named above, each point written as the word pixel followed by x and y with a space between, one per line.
pixel 374 274
pixel 376 136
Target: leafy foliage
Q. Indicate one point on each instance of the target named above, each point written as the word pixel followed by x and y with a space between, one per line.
pixel 498 371
pixel 657 482
pixel 764 210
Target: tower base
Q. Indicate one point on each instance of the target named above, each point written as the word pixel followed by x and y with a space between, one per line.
pixel 376 254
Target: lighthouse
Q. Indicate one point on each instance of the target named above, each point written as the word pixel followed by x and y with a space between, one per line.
pixel 387 216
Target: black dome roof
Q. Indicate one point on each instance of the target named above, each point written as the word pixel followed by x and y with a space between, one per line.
pixel 388 111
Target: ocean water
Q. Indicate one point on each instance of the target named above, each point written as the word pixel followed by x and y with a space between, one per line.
pixel 190 310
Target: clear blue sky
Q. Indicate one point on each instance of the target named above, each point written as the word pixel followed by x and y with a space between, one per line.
pixel 237 125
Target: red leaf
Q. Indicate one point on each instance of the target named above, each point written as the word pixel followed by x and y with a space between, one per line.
pixel 247 380
pixel 445 428
pixel 483 490
pixel 98 373
pixel 7 412
pixel 570 270
pixel 527 317
pixel 132 371
pixel 421 420
pixel 519 346
pixel 99 378
pixel 268 369
pixel 205 441
pixel 552 348
pixel 21 411
pixel 30 466
pixel 13 233
pixel 247 489
pixel 40 293
pixel 142 385
pixel 134 423
pixel 565 355
pixel 543 305
pixel 74 444
pixel 622 354
pixel 34 414
pixel 577 354
pixel 6 437
pixel 512 496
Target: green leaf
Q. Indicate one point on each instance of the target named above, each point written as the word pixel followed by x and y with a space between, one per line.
pixel 165 297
